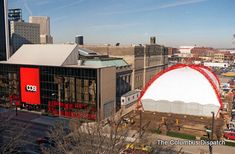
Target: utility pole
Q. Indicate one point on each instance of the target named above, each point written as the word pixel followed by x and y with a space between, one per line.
pixel 212 131
pixel 16 110
pixel 59 99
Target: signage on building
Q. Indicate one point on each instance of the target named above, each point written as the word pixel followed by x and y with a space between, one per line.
pixel 31 88
pixel 30 85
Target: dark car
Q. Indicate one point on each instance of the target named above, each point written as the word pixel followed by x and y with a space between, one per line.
pixel 46 141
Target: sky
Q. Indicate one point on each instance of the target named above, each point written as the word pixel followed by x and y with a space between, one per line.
pixel 209 23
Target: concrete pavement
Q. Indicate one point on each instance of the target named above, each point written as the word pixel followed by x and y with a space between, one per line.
pixel 191 149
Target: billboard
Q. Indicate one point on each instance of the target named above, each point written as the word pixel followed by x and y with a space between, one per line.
pixel 30 85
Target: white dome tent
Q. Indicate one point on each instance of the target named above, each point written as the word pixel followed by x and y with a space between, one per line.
pixel 183 89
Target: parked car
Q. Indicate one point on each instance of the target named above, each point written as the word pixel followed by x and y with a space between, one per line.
pixel 230 136
pixel 46 141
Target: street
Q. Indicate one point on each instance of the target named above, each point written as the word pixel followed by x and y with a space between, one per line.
pixel 32 131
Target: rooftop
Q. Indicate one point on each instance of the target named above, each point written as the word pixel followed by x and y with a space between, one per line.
pixel 37 54
pixel 118 62
pixel 87 52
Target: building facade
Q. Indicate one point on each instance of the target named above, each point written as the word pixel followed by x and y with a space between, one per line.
pixel 218 57
pixel 155 60
pixel 24 33
pixel 57 84
pixel 15 14
pixel 205 54
pixel 123 73
pixel 44 22
pixel 172 51
pixel 80 92
pixel 4 31
pixel 146 60
pixel 185 51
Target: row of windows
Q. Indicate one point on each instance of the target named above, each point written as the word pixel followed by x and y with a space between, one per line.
pixel 71 84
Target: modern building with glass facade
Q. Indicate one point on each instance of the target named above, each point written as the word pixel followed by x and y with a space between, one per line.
pixel 49 78
pixel 4 31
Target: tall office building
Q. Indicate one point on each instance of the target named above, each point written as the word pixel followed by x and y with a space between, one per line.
pixel 233 39
pixel 79 40
pixel 24 33
pixel 45 36
pixel 15 14
pixel 4 31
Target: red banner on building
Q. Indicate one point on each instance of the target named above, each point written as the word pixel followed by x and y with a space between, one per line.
pixel 30 85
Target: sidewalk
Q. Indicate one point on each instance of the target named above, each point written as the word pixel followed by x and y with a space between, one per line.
pixel 50 121
pixel 194 149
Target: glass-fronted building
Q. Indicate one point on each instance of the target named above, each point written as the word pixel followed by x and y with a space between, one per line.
pixel 55 85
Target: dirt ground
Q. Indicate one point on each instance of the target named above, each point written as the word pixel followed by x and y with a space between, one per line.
pixel 188 124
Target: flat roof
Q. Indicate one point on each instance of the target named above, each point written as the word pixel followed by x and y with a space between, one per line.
pixel 131 92
pixel 117 62
pixel 82 66
pixel 40 54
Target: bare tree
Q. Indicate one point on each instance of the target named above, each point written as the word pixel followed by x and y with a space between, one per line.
pixel 169 123
pixel 219 128
pixel 106 137
pixel 11 134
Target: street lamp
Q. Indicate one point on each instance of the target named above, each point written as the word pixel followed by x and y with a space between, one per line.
pixel 54 94
pixel 13 102
pixel 212 131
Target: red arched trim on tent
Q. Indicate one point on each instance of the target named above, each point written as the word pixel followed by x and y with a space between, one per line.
pixel 211 82
pixel 155 78
pixel 195 67
pixel 209 69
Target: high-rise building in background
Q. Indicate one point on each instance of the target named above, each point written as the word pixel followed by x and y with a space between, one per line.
pixel 15 14
pixel 4 31
pixel 79 39
pixel 153 40
pixel 233 39
pixel 45 36
pixel 24 33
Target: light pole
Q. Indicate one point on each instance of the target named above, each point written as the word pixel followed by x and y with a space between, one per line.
pixel 54 94
pixel 212 131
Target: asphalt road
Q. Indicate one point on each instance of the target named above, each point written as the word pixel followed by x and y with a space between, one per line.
pixel 31 133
